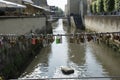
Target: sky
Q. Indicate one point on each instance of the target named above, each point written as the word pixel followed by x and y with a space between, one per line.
pixel 59 3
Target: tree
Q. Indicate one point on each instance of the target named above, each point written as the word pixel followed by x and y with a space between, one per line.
pixel 94 7
pixel 108 5
pixel 91 8
pixel 99 6
pixel 117 5
pixel 59 11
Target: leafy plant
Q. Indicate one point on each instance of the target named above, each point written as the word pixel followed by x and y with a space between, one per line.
pixel 117 4
pixel 91 8
pixel 94 7
pixel 99 6
pixel 108 5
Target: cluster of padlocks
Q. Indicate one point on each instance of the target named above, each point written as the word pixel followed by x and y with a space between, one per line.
pixel 49 38
pixel 95 37
pixel 32 39
pixel 87 37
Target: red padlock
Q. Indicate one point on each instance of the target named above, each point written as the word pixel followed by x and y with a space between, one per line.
pixel 33 41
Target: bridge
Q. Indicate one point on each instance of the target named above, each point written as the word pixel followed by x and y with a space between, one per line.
pixel 54 18
pixel 59 17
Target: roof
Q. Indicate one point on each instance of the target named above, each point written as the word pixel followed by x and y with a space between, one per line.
pixel 40 7
pixel 29 1
pixel 10 4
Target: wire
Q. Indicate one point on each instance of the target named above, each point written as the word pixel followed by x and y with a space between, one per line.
pixel 112 77
pixel 70 34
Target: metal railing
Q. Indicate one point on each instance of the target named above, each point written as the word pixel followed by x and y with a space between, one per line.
pixel 69 34
pixel 74 78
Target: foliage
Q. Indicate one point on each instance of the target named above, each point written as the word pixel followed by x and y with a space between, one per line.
pixel 59 11
pixel 117 4
pixel 91 8
pixel 99 6
pixel 94 7
pixel 108 5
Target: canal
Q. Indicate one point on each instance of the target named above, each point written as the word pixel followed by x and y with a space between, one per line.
pixel 87 59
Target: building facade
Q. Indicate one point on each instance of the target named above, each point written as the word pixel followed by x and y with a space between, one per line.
pixel 40 2
pixel 66 10
pixel 29 10
pixel 73 6
pixel 77 7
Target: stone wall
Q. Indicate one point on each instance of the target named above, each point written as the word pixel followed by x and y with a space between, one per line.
pixel 103 23
pixel 21 25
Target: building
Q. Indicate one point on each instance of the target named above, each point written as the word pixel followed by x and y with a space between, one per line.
pixel 31 8
pixel 41 3
pixel 73 6
pixel 76 7
pixel 83 7
pixel 66 10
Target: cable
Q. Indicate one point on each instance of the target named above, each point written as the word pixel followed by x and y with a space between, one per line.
pixel 112 77
pixel 70 34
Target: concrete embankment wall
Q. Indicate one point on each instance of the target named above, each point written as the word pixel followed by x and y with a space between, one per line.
pixel 17 52
pixel 103 23
pixel 21 25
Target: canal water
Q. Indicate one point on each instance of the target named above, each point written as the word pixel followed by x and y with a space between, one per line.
pixel 87 59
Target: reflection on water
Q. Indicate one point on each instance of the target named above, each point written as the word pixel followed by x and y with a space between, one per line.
pixel 87 59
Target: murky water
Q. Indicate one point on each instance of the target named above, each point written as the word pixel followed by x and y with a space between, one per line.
pixel 87 59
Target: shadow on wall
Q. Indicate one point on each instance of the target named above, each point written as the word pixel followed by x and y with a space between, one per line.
pixel 78 21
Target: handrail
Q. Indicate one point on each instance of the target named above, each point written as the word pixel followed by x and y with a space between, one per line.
pixel 70 78
pixel 69 34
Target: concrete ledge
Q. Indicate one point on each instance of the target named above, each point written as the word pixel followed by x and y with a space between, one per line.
pixel 9 17
pixel 103 23
pixel 21 25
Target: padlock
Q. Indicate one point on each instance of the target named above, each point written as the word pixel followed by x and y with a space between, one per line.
pixel 12 41
pixel 108 36
pixel 71 39
pixel 82 40
pixel 52 38
pixel 41 38
pixel 33 41
pixel 89 38
pixel 78 39
pixel 100 35
pixel 115 37
pixel 49 39
pixel 58 39
pixel 94 38
pixel 37 39
pixel 1 42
